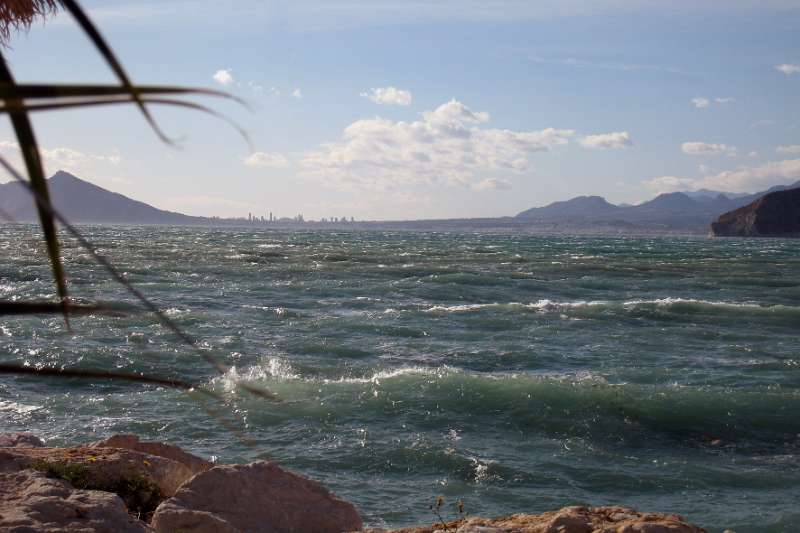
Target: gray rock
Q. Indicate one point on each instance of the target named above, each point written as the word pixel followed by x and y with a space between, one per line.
pixel 20 440
pixel 257 497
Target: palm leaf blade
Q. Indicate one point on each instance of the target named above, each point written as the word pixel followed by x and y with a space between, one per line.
pixel 33 162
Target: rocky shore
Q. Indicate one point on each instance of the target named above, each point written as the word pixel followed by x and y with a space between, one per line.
pixel 125 485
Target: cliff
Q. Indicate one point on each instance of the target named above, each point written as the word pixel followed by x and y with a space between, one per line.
pixel 775 214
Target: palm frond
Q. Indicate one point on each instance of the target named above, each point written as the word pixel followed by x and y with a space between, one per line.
pixel 40 308
pixel 100 43
pixel 33 163
pixel 21 369
pixel 82 103
pixel 19 14
pixel 72 90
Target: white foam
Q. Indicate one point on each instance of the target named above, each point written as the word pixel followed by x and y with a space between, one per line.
pixel 273 368
pixel 377 377
pixel 547 305
pixel 541 305
pixel 174 311
pixel 19 408
pixel 670 301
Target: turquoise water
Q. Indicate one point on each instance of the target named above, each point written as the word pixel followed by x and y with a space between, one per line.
pixel 518 373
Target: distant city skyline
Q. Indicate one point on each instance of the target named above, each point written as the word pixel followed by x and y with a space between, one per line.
pixel 389 110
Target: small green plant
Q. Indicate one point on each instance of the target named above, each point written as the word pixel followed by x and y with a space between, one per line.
pixel 140 494
pixel 76 474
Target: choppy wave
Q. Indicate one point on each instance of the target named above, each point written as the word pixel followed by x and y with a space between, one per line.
pixel 552 369
pixel 583 404
pixel 667 303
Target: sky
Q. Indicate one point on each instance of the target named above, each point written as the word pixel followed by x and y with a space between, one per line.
pixel 378 109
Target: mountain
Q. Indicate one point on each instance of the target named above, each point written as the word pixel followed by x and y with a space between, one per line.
pixel 678 211
pixel 774 214
pixel 705 193
pixel 582 206
pixel 82 202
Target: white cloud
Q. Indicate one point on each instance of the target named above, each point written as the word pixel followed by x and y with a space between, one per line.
pixel 62 158
pixel 265 159
pixel 602 65
pixel 255 87
pixel 788 69
pixel 791 149
pixel 754 154
pixel 223 77
pixel 445 145
pixel 664 184
pixel 389 96
pixel 492 184
pixel 701 148
pixel 604 141
pixel 702 102
pixel 762 123
pixel 297 93
pixel 742 179
pixel 755 178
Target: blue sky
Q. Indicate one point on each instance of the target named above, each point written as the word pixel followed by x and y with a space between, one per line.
pixel 385 110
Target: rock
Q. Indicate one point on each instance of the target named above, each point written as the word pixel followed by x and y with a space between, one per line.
pixel 774 214
pixel 568 520
pixel 30 501
pixel 256 497
pixel 142 480
pixel 471 528
pixel 132 442
pixel 20 440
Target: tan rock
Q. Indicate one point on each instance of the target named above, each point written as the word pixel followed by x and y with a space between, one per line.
pixel 132 442
pixel 30 501
pixel 142 480
pixel 569 520
pixel 257 497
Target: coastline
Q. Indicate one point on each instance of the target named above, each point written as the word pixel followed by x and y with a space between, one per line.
pixel 123 484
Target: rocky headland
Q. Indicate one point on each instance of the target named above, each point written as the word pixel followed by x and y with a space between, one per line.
pixel 125 485
pixel 775 214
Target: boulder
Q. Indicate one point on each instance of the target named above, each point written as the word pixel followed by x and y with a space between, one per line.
pixel 132 442
pixel 20 440
pixel 567 520
pixel 30 501
pixel 142 480
pixel 260 497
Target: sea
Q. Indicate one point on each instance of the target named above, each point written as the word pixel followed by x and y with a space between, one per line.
pixel 513 373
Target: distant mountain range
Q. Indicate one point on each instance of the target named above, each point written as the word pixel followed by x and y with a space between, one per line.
pixel 81 201
pixel 678 212
pixel 690 211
